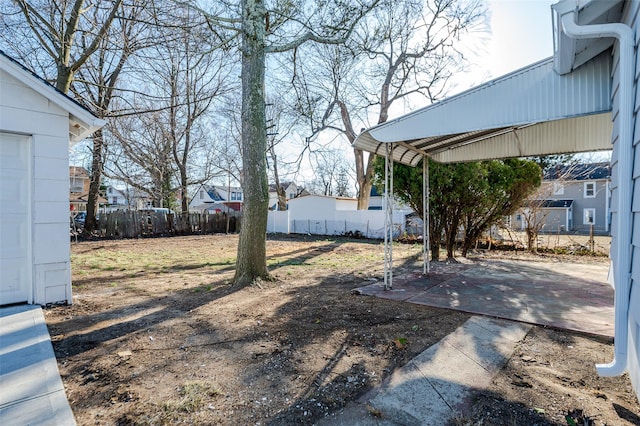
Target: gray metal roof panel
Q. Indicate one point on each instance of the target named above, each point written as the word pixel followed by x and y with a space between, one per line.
pixel 525 97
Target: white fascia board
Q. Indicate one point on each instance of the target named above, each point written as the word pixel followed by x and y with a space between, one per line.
pixel 571 53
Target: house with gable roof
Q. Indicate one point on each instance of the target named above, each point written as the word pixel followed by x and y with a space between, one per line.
pixel 573 198
pixel 214 198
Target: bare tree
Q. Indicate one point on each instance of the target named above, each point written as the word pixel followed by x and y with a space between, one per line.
pixel 331 173
pixel 196 78
pixel 68 31
pixel 534 214
pixel 177 82
pixel 142 157
pixel 401 51
pixel 284 27
pixel 98 81
pixel 279 131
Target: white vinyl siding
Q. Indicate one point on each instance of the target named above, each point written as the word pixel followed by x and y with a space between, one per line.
pixel 631 18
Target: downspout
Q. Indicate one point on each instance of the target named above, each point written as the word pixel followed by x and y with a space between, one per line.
pixel 621 270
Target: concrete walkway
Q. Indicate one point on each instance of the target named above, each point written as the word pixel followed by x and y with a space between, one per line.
pixel 436 386
pixel 31 391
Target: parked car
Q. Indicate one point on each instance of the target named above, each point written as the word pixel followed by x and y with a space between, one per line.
pixel 79 219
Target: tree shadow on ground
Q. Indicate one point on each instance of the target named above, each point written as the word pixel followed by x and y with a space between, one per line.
pixel 369 335
pixel 80 333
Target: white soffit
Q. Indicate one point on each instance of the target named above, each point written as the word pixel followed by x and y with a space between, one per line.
pixel 571 53
pixel 505 116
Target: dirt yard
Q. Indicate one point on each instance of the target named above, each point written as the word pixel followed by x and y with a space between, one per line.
pixel 156 336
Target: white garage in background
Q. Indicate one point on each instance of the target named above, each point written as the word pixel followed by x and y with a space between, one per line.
pixel 37 124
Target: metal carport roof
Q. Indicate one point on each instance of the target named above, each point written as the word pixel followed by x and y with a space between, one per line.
pixel 531 111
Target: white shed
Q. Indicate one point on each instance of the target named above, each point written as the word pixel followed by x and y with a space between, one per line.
pixel 37 125
pixel 319 206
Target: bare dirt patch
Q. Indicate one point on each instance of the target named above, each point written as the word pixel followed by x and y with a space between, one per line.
pixel 157 336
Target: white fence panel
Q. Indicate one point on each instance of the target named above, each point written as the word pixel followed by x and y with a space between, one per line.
pixel 360 223
pixel 278 222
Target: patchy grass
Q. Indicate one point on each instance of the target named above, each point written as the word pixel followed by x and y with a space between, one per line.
pixel 288 352
pixel 193 396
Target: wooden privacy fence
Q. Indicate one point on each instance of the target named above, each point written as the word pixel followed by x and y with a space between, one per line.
pixel 135 224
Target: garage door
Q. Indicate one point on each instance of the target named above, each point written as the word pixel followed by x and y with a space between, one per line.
pixel 15 232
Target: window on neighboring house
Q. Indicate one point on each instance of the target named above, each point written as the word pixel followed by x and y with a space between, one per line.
pixel 202 194
pixel 589 217
pixel 110 190
pixel 589 190
pixel 236 196
pixel 558 188
pixel 76 185
pixel 292 195
pixel 114 200
pixel 507 221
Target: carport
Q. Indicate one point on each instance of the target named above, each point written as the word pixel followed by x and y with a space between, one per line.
pixel 582 99
pixel 531 111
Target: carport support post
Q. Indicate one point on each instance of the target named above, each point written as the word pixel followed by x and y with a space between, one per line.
pixel 388 217
pixel 425 215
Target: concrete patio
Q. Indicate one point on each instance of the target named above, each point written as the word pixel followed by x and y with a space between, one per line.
pixel 560 295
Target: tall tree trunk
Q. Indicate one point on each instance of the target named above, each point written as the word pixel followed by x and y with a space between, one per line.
pixel 64 78
pixel 185 199
pixel 252 262
pixel 91 223
pixel 364 175
pixel 280 192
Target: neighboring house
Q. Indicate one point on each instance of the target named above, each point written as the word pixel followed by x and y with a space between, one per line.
pixel 79 182
pixel 37 124
pixel 291 191
pixel 572 198
pixel 208 195
pixel 376 199
pixel 78 188
pixel 584 98
pixel 377 202
pixel 544 215
pixel 138 199
pixel 116 199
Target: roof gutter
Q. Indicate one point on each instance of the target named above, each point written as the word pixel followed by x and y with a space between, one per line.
pixel 567 12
